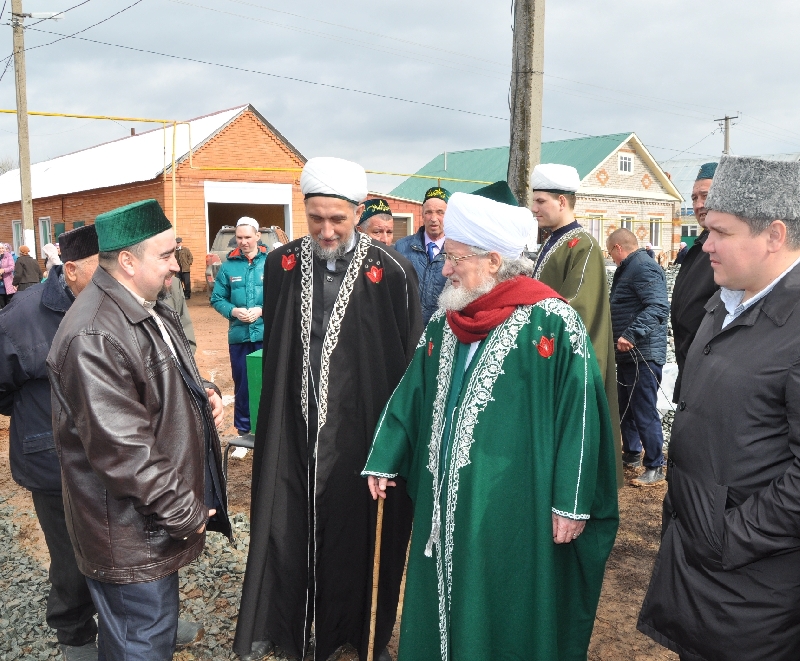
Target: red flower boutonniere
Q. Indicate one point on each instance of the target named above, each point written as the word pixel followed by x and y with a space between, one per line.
pixel 289 261
pixel 375 274
pixel 430 347
pixel 546 347
pixel 573 242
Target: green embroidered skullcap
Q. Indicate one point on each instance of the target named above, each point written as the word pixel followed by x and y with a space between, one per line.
pixel 373 208
pixel 437 192
pixel 707 171
pixel 499 191
pixel 129 225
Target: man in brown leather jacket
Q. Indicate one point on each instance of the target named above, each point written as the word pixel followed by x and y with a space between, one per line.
pixel 134 425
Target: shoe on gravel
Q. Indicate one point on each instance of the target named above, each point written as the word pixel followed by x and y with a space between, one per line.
pixel 258 650
pixel 87 652
pixel 189 633
pixel 650 477
pixel 631 459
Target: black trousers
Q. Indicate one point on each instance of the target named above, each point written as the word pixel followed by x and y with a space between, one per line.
pixel 5 299
pixel 187 284
pixel 70 610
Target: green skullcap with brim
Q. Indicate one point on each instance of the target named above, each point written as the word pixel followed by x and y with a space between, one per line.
pixel 438 193
pixel 707 171
pixel 499 191
pixel 373 208
pixel 129 225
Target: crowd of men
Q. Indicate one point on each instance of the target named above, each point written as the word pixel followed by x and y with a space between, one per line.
pixel 453 381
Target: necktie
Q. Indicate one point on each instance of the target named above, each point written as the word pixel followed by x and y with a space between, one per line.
pixel 431 246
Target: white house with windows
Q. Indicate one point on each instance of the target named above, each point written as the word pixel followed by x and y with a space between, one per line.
pixel 622 185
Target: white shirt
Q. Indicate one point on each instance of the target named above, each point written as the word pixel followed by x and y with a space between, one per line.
pixel 438 245
pixel 732 298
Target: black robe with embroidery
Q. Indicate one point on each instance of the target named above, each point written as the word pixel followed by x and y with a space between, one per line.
pixel 312 518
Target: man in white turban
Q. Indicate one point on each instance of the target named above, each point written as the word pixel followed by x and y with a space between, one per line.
pixel 341 319
pixel 571 262
pixel 501 428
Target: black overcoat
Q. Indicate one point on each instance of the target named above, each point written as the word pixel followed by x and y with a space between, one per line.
pixel 726 583
pixel 370 339
pixel 693 287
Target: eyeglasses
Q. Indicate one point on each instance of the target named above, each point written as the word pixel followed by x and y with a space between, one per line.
pixel 454 260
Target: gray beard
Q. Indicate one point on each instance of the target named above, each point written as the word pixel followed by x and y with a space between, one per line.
pixel 454 300
pixel 327 255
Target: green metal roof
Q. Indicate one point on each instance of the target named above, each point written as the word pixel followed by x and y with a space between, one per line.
pixel 584 154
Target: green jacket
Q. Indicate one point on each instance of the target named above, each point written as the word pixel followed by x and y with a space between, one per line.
pixel 240 284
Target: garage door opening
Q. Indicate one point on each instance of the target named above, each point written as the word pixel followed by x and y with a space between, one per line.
pixel 227 213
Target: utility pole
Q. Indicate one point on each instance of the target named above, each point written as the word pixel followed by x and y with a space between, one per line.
pixel 727 129
pixel 29 233
pixel 527 75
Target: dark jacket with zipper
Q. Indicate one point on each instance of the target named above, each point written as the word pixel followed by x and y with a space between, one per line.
pixel 27 328
pixel 139 452
pixel 640 308
pixel 726 583
pixel 431 280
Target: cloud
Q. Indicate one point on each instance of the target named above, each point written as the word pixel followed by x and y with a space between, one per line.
pixel 665 71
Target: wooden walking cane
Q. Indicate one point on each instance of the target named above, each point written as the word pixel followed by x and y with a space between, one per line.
pixel 376 568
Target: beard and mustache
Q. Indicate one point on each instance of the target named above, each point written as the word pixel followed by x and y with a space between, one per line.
pixel 328 254
pixel 454 299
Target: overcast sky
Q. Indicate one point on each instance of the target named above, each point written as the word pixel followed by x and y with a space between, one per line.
pixel 664 70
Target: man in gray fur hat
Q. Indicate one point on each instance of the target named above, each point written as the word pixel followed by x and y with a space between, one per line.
pixel 726 584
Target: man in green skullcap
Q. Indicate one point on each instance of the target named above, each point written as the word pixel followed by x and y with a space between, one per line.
pixel 424 249
pixel 695 282
pixel 135 429
pixel 377 221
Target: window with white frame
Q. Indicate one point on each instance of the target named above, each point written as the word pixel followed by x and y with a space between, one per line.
pixel 16 235
pixel 690 230
pixel 655 232
pixel 594 224
pixel 625 163
pixel 45 233
pixel 626 223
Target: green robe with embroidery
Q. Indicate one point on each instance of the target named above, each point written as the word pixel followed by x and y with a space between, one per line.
pixel 575 268
pixel 488 459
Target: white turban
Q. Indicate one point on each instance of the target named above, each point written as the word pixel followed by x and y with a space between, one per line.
pixel 483 223
pixel 555 177
pixel 334 177
pixel 246 220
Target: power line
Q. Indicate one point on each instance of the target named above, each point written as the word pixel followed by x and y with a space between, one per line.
pixel 271 75
pixel 80 4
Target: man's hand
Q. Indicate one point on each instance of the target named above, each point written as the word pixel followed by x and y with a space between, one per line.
pixel 377 486
pixel 566 530
pixel 202 528
pixel 623 345
pixel 217 410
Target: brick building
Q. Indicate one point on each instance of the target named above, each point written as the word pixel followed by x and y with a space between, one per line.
pixel 621 184
pixel 72 190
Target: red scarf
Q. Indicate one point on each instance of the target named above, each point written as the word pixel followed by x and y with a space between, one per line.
pixel 474 322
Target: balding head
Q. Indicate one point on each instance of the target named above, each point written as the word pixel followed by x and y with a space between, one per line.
pixel 620 244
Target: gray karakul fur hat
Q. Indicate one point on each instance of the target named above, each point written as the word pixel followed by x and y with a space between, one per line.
pixel 754 188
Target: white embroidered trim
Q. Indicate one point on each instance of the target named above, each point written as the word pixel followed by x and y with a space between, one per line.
pixel 572 322
pixel 422 340
pixel 570 515
pixel 306 300
pixel 335 322
pixel 374 474
pixel 569 235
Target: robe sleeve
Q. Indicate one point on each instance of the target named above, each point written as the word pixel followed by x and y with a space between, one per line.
pixel 582 418
pixel 586 289
pixel 397 432
pixel 768 522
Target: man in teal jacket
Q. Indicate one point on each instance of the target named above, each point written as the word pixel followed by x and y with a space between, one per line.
pixel 238 296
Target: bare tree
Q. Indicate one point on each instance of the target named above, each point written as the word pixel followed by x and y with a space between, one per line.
pixel 7 163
